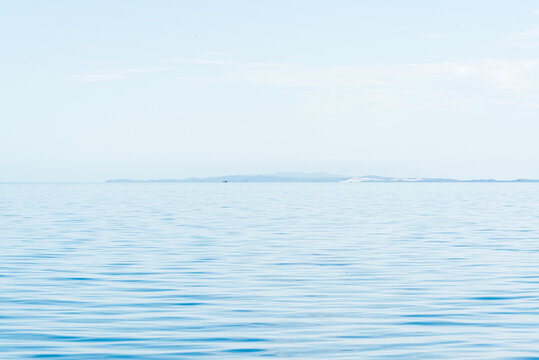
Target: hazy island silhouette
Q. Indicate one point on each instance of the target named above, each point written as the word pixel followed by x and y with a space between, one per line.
pixel 310 177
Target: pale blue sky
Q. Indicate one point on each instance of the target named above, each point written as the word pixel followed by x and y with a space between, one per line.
pixel 169 89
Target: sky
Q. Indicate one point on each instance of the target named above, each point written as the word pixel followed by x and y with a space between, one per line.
pixel 94 90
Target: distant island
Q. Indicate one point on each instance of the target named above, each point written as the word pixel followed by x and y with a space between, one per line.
pixel 321 177
pixel 374 178
pixel 277 177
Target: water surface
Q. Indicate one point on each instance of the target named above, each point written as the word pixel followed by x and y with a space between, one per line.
pixel 287 271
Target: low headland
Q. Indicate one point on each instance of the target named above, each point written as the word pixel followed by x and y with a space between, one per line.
pixel 321 177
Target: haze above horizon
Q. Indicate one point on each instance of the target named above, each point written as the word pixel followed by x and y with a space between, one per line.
pixel 167 89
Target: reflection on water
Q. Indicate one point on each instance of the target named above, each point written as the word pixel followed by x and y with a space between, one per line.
pixel 329 271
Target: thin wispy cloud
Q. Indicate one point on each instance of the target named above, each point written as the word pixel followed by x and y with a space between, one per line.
pixel 488 73
pixel 475 86
pixel 496 74
pixel 201 61
pixel 227 62
pixel 96 77
pixel 532 33
pixel 283 74
pixel 525 39
pixel 444 85
pixel 435 36
pixel 119 74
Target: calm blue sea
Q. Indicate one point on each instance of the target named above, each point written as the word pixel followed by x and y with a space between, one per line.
pixel 286 271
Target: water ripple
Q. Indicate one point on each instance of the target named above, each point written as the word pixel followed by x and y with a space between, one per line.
pixel 305 271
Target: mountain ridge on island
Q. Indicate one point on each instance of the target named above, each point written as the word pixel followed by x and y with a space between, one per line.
pixel 309 177
pixel 276 177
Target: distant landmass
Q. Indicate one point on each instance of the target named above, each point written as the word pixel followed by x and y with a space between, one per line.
pixel 307 177
pixel 277 177
pixel 374 178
